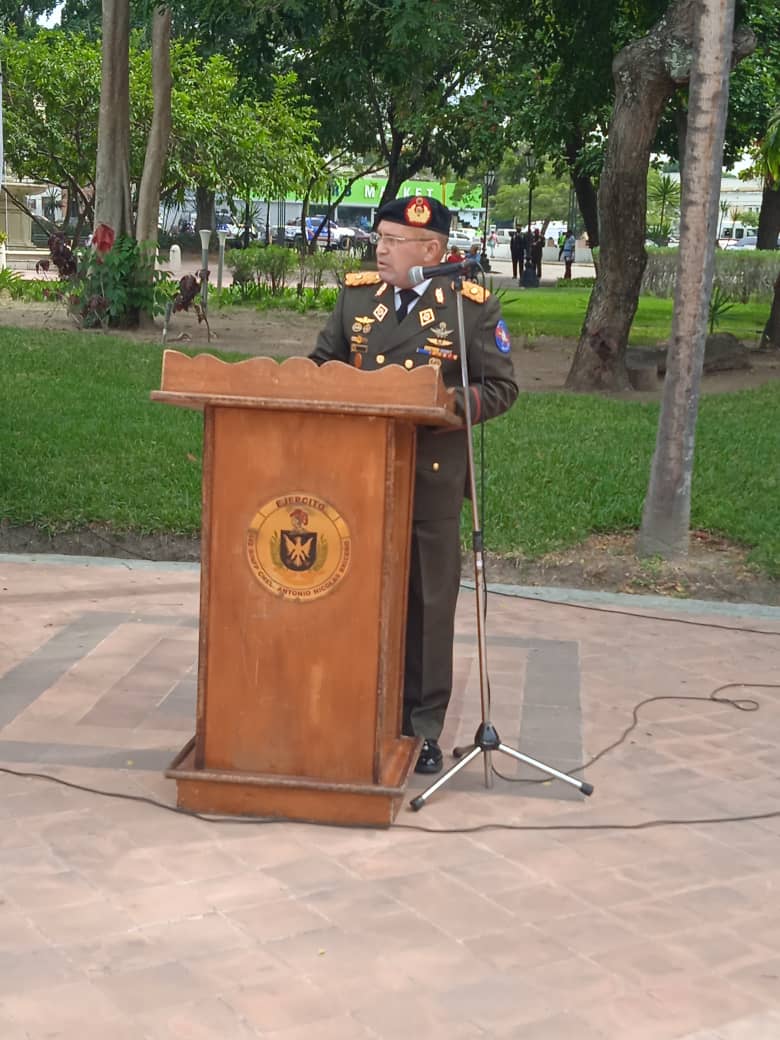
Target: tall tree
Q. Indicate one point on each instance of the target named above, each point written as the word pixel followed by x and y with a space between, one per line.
pixel 112 173
pixel 216 137
pixel 646 74
pixel 159 132
pixel 51 120
pixel 407 84
pixel 23 17
pixel 666 516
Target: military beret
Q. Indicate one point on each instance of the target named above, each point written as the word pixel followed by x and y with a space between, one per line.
pixel 421 211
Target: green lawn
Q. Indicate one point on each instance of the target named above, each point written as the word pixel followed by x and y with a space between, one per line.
pixel 550 311
pixel 81 442
pixel 563 466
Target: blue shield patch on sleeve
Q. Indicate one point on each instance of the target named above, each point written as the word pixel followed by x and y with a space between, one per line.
pixel 503 342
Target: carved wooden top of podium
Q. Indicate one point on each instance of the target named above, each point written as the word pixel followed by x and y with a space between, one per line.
pixel 299 703
pixel 261 382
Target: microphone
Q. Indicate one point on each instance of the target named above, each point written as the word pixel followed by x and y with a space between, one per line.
pixel 421 274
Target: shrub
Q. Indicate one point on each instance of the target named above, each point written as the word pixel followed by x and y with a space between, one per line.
pixel 741 274
pixel 109 282
pixel 314 266
pixel 10 282
pixel 745 274
pixel 720 304
pixel 269 266
pixel 113 286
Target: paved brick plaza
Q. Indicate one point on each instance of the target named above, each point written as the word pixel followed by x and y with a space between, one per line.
pixel 121 920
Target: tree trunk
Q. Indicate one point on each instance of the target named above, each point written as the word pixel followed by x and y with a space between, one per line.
pixel 204 204
pixel 770 337
pixel 588 206
pixel 646 74
pixel 395 178
pixel 585 192
pixel 159 133
pixel 112 177
pixel 681 124
pixel 666 515
pixel 769 217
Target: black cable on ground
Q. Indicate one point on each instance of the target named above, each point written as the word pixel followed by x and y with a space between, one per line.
pixel 740 704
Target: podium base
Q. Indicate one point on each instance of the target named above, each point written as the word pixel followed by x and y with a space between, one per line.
pixel 234 793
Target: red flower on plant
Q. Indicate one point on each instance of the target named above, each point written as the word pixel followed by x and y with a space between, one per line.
pixel 103 238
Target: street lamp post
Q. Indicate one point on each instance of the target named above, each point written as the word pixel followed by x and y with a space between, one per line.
pixel 330 203
pixel 205 238
pixel 572 224
pixel 222 235
pixel 530 169
pixel 488 186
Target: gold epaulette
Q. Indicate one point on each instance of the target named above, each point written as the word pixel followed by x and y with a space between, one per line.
pixel 361 278
pixel 475 292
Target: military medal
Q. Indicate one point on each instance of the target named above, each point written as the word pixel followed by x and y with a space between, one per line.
pixel 362 323
pixel 442 332
pixel 432 350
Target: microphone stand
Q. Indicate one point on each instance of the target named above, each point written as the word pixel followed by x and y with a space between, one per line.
pixel 486 739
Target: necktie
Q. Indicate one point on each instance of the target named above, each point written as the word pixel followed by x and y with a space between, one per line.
pixel 407 296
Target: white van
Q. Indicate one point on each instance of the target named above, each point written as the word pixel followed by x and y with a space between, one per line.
pixel 731 233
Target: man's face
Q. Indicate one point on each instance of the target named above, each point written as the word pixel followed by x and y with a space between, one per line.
pixel 400 247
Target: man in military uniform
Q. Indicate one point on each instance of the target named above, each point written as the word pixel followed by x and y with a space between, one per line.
pixel 379 319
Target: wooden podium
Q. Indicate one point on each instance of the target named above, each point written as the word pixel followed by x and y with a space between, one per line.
pixel 308 476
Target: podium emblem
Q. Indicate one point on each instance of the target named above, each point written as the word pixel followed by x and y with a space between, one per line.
pixel 298 546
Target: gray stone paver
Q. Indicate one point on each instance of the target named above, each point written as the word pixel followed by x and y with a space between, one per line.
pixel 119 919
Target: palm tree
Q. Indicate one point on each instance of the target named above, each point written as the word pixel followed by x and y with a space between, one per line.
pixel 724 209
pixel 665 193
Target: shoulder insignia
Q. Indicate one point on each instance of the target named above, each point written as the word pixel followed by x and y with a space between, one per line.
pixel 474 292
pixel 361 278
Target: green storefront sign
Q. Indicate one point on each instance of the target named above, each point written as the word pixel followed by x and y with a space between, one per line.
pixel 367 191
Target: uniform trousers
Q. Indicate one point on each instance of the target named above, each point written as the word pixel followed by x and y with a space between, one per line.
pixel 434 580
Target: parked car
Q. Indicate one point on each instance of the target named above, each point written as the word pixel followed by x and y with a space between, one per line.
pixel 461 240
pixel 338 238
pixel 360 241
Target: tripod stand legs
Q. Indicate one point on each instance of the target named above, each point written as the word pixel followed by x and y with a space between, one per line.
pixel 487 740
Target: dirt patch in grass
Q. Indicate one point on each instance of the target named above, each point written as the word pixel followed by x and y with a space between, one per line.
pixel 714 570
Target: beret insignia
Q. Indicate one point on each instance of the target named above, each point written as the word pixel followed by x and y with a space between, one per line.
pixel 418 212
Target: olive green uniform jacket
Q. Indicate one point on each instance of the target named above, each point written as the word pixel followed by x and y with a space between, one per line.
pixel 363 331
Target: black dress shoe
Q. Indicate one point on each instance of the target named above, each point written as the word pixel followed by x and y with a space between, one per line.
pixel 430 758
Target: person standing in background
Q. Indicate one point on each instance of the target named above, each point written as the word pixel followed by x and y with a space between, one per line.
pixel 567 250
pixel 537 245
pixel 517 252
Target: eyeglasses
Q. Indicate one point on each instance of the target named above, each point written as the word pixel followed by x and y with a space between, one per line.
pixel 391 241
